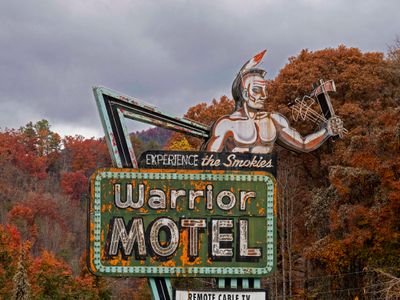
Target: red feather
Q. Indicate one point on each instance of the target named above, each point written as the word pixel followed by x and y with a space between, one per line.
pixel 258 57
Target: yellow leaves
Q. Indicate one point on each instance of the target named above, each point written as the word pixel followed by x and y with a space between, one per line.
pixel 181 144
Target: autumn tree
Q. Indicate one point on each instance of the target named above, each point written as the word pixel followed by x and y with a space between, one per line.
pixel 84 155
pixel 74 184
pixel 392 74
pixel 40 138
pixel 37 218
pixel 352 182
pixel 358 76
pixel 182 145
pixel 14 150
pixel 13 173
pixel 10 244
pixel 53 279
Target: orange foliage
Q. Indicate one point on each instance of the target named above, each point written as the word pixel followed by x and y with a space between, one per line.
pixel 360 172
pixel 52 278
pixel 357 75
pixel 74 184
pixel 49 277
pixel 207 114
pixel 13 149
pixel 10 244
pixel 330 252
pixel 31 211
pixel 86 154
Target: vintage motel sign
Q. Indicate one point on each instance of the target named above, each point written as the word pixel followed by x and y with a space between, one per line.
pixel 171 222
pixel 113 225
pixel 114 109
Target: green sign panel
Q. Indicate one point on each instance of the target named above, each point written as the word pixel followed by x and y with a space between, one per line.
pixel 182 223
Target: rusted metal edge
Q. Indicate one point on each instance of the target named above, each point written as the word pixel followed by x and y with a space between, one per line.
pixel 138 110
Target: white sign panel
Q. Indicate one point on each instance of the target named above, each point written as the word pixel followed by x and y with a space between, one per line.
pixel 220 295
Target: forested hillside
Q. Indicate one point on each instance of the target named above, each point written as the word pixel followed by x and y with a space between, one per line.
pixel 338 207
pixel 155 138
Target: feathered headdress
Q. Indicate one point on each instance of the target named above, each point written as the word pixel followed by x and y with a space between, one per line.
pixel 248 67
pixel 253 62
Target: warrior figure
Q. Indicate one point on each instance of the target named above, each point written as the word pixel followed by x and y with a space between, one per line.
pixel 251 129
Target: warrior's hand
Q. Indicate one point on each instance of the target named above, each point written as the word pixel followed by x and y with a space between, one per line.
pixel 335 126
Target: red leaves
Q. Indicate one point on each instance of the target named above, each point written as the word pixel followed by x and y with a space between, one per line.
pixel 207 114
pixel 10 244
pixel 86 154
pixel 74 184
pixel 356 74
pixel 13 149
pixel 31 211
pixel 33 166
pixel 10 238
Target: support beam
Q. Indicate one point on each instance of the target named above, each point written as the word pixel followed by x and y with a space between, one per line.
pixel 245 283
pixel 221 283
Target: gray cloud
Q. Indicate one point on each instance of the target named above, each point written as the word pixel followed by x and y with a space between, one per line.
pixel 172 53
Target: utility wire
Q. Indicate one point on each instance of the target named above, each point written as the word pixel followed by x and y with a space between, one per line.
pixel 330 276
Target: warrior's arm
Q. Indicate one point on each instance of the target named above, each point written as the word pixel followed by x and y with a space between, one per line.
pixel 219 133
pixel 289 138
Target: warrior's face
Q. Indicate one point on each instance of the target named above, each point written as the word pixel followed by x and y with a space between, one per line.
pixel 254 90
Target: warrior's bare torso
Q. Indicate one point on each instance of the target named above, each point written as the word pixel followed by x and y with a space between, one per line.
pixel 259 134
pixel 248 135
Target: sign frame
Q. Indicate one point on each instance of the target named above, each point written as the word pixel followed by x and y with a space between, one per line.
pixel 114 107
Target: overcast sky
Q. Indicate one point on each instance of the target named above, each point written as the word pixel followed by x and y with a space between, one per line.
pixel 173 54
